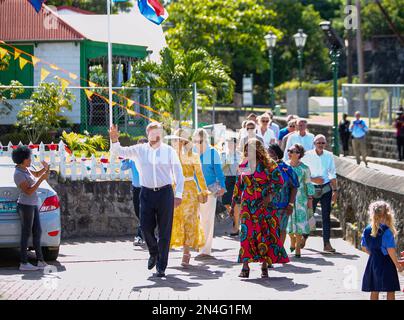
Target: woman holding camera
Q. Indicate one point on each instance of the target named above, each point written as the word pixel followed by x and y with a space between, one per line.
pixel 28 182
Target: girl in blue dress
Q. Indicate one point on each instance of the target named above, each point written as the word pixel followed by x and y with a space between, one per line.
pixel 378 241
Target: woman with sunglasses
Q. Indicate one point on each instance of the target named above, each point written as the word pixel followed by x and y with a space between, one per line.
pixel 299 221
pixel 264 131
pixel 258 181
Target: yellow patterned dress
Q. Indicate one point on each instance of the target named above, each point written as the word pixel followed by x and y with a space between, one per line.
pixel 187 230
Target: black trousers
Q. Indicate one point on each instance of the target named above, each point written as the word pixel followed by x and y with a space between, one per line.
pixel 30 225
pixel 325 202
pixel 136 204
pixel 345 142
pixel 157 209
pixel 400 148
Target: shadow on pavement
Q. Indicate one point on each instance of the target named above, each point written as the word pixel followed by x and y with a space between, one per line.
pixel 222 263
pixel 278 283
pixel 290 268
pixel 310 260
pixel 198 272
pixel 170 281
pixel 81 240
pixel 336 254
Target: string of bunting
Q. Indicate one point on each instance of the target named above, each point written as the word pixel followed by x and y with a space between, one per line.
pixel 45 73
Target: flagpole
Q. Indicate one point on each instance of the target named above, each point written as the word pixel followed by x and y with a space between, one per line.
pixel 109 63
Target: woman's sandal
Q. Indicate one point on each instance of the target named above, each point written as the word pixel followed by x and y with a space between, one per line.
pixel 245 273
pixel 185 259
pixel 264 272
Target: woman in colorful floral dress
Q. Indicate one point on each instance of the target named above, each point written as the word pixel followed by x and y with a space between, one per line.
pixel 187 231
pixel 256 185
pixel 299 220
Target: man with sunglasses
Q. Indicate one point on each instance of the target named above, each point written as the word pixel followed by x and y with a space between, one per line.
pixel 251 133
pixel 265 132
pixel 324 178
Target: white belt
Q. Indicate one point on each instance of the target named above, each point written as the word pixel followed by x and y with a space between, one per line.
pixel 189 179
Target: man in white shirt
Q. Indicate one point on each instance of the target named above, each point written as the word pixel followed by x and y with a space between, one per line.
pixel 264 131
pixel 157 163
pixel 324 178
pixel 301 137
pixel 272 125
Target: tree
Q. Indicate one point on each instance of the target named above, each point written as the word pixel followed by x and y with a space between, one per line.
pixel 96 6
pixel 175 75
pixel 232 30
pixel 42 112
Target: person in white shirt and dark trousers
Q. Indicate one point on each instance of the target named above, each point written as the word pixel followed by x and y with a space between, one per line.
pixel 359 130
pixel 158 163
pixel 324 178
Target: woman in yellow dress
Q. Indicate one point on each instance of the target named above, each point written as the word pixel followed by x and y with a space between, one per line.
pixel 187 231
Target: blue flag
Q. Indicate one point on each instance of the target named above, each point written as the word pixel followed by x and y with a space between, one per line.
pixel 153 10
pixel 37 4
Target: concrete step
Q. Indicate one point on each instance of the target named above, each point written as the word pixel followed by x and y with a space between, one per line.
pixel 335 232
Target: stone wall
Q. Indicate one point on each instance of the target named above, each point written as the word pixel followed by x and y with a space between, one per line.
pixel 359 186
pixel 381 143
pixel 91 209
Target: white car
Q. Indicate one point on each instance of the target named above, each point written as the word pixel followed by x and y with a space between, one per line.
pixel 10 224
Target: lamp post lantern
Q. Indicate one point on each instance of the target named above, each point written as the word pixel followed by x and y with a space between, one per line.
pixel 300 41
pixel 335 44
pixel 270 40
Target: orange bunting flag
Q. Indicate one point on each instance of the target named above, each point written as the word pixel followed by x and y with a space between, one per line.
pixel 130 103
pixel 44 74
pixel 35 60
pixel 91 84
pixel 17 54
pixel 3 52
pixel 54 67
pixel 131 112
pixel 23 62
pixel 72 76
pixel 89 93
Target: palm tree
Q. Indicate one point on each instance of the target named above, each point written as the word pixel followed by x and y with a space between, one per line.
pixel 174 76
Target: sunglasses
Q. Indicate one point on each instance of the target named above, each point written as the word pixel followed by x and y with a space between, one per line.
pixel 320 142
pixel 293 151
pixel 250 128
pixel 264 121
pixel 292 126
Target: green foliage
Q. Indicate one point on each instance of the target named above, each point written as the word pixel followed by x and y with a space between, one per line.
pixel 5 62
pixel 374 22
pixel 234 31
pixel 84 142
pixel 322 89
pixel 42 112
pixel 176 73
pixel 5 106
pixel 128 140
pixel 96 6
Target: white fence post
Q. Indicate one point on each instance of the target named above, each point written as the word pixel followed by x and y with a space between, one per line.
pixel 93 167
pixel 73 167
pixel 9 149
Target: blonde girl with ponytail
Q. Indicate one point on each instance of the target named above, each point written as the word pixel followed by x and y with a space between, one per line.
pixel 378 241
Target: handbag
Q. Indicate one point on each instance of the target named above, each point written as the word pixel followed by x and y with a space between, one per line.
pixel 312 219
pixel 202 198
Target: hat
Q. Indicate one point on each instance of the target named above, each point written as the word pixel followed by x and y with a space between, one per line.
pixel 179 134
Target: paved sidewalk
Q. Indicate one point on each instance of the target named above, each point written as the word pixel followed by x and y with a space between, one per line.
pixel 114 269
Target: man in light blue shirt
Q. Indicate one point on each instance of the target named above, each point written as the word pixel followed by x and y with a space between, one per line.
pixel 359 130
pixel 136 187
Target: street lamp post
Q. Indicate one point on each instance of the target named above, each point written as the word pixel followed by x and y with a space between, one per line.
pixel 300 41
pixel 270 40
pixel 335 45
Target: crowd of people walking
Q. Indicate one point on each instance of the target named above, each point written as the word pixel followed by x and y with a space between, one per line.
pixel 269 179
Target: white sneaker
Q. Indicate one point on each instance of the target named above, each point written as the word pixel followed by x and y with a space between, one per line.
pixel 28 267
pixel 138 241
pixel 41 265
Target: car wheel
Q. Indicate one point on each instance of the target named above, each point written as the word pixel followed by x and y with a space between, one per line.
pixel 50 253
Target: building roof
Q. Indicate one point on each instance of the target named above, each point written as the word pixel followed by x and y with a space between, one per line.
pixel 72 10
pixel 20 22
pixel 126 28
